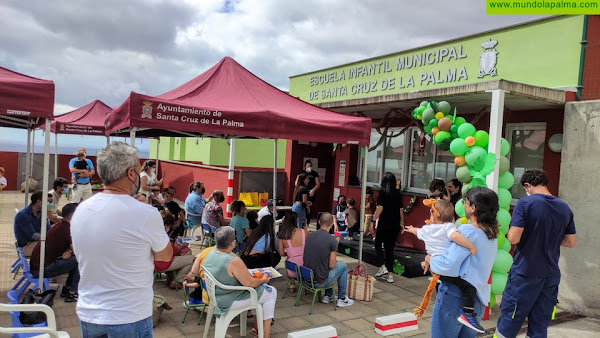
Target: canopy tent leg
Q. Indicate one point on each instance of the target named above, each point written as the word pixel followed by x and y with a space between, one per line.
pixel 275 179
pixel 230 175
pixel 44 204
pixel 30 173
pixel 157 149
pixel 132 137
pixel 56 156
pixel 107 140
pixel 26 173
pixel 496 120
pixel 363 201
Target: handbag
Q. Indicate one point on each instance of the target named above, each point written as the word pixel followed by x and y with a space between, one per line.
pixel 360 284
pixel 33 297
pixel 246 197
pixel 263 198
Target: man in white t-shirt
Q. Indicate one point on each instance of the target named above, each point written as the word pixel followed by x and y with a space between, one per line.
pixel 116 239
pixel 59 188
pixel 266 210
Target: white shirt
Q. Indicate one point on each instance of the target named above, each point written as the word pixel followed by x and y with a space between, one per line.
pixel 56 198
pixel 3 180
pixel 113 238
pixel 263 212
pixel 436 237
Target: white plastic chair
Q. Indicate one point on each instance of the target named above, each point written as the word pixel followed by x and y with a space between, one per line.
pixel 195 226
pixel 48 331
pixel 222 322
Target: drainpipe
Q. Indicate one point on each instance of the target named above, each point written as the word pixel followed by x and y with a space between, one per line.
pixel 584 43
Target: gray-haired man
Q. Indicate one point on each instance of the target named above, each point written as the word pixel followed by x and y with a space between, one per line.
pixel 266 210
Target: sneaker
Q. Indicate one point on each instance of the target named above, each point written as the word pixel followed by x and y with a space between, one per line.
pixel 389 278
pixel 345 302
pixel 382 271
pixel 326 299
pixel 470 321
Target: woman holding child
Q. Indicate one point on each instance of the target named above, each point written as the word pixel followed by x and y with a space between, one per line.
pixel 148 181
pixel 465 269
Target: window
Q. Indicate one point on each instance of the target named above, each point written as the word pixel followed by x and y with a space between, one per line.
pixel 527 141
pixel 388 156
pixel 374 165
pixel 421 160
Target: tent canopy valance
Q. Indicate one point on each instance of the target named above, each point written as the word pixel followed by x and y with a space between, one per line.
pixel 230 101
pixel 24 99
pixel 87 120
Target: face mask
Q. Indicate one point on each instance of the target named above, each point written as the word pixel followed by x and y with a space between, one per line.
pixel 50 206
pixel 308 169
pixel 153 170
pixel 221 199
pixel 65 190
pixel 343 203
pixel 136 187
pixel 202 191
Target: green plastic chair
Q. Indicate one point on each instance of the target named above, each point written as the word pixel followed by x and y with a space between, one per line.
pixel 291 266
pixel 188 306
pixel 308 284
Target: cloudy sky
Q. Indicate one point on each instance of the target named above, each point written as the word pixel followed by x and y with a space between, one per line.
pixel 105 49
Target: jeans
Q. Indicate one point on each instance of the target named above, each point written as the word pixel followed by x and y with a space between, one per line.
pixel 447 308
pixel 528 297
pixel 388 238
pixel 139 329
pixel 61 267
pixel 301 211
pixel 339 273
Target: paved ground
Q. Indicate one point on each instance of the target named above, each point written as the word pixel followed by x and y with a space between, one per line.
pixel 355 321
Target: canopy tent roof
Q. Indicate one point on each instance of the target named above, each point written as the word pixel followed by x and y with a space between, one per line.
pixel 87 120
pixel 230 101
pixel 23 98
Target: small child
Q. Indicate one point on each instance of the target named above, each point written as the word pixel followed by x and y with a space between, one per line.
pixel 351 217
pixel 156 198
pixel 80 164
pixel 438 234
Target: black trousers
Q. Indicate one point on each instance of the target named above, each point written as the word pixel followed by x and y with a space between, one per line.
pixel 467 291
pixel 388 238
pixel 261 260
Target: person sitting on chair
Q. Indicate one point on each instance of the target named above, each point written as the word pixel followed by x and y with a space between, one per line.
pixel 28 224
pixel 261 247
pixel 228 269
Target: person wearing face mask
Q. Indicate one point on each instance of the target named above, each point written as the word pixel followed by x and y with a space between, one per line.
pixel 148 178
pixel 213 212
pixel 314 183
pixel 195 202
pixel 28 224
pixel 60 187
pixel 339 218
pixel 117 239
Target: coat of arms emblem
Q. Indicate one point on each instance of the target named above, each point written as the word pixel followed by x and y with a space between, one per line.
pixel 147 110
pixel 61 127
pixel 488 59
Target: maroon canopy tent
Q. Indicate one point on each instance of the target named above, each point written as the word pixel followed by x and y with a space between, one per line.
pixel 230 101
pixel 87 120
pixel 24 100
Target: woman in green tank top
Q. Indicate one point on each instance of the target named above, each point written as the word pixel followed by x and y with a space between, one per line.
pixel 229 269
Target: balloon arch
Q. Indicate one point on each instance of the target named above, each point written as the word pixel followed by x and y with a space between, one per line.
pixel 470 148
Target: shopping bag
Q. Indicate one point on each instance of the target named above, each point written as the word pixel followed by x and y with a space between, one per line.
pixel 263 197
pixel 254 196
pixel 247 198
pixel 360 284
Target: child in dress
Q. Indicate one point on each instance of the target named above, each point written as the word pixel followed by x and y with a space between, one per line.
pixel 438 233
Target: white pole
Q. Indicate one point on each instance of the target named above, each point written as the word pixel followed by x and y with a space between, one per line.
pixel 496 120
pixel 44 204
pixel 275 180
pixel 363 201
pixel 55 155
pixel 132 137
pixel 230 175
pixel 157 149
pixel 107 140
pixel 27 163
pixel 30 173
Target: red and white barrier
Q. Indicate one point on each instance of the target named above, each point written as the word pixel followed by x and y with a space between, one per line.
pixel 395 324
pixel 319 332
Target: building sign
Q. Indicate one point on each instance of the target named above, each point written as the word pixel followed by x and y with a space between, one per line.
pixel 510 54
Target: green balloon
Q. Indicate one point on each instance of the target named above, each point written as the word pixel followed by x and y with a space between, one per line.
pixel 501 239
pixel 454 135
pixel 504 197
pixel 502 263
pixel 428 114
pixel 459 120
pixel 427 129
pixel 458 147
pixel 507 246
pixel 444 107
pixel 492 300
pixel 466 129
pixel 424 103
pixel 442 136
pixel 499 282
pixel 474 154
pixel 459 208
pixel 464 189
pixel 506 207
pixel 454 128
pixel 506 180
pixel 420 110
pixel 482 138
pixel 503 218
pixel 504 147
pixel 433 123
pixel 504 165
pixel 462 173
